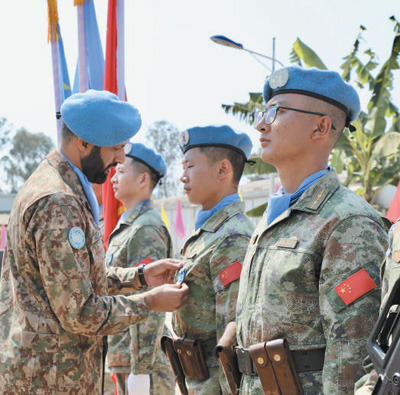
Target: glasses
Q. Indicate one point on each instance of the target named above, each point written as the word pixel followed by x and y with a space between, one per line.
pixel 270 114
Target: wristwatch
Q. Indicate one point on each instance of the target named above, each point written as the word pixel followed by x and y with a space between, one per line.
pixel 141 275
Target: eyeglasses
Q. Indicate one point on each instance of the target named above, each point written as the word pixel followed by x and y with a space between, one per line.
pixel 270 114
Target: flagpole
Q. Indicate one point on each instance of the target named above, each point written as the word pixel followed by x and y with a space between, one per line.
pixel 82 61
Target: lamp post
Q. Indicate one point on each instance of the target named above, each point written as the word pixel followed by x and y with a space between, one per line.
pixel 222 40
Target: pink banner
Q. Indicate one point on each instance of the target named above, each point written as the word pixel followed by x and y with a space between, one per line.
pixel 179 227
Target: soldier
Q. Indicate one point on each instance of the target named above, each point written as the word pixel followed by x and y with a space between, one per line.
pixel 311 273
pixel 213 162
pixel 54 308
pixel 139 237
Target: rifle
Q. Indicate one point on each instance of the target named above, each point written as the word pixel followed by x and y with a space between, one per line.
pixel 384 345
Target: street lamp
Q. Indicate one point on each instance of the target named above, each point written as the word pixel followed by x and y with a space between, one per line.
pixel 222 40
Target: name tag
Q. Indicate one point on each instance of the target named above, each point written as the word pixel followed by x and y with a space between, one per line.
pixel 287 243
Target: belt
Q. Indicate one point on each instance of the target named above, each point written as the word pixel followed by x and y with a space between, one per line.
pixel 304 360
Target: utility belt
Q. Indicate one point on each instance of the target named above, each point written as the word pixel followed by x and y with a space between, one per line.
pixel 274 363
pixel 187 358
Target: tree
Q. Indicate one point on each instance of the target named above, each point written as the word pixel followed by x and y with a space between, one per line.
pixel 164 136
pixel 25 151
pixel 369 156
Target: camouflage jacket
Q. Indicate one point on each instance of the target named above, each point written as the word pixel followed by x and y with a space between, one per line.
pixel 141 236
pixel 287 286
pixel 54 311
pixel 207 255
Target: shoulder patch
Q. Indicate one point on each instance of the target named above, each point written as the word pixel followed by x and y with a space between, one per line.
pixel 357 285
pixel 145 261
pixel 317 199
pixel 220 222
pixel 231 273
pixel 76 237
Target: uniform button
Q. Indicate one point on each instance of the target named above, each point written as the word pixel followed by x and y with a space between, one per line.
pixel 189 353
pixel 260 360
pixel 277 357
pixel 179 351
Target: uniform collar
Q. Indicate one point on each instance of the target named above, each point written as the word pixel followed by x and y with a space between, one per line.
pixel 68 175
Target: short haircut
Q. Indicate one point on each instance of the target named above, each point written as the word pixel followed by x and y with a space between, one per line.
pixel 142 168
pixel 66 133
pixel 237 160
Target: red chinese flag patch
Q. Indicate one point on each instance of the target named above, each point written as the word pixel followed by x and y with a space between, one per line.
pixel 145 261
pixel 355 286
pixel 231 273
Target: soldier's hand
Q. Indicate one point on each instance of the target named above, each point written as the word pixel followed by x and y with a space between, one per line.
pixel 168 297
pixel 161 272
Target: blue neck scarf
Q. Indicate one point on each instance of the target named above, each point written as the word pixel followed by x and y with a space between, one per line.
pixel 87 188
pixel 281 201
pixel 203 215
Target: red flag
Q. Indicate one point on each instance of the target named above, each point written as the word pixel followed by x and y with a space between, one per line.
pixel 179 227
pixel 231 273
pixel 393 212
pixel 355 286
pixel 112 208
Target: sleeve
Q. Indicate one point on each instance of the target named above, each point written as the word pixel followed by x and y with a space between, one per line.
pixel 136 347
pixel 223 269
pixel 149 242
pixel 66 274
pixel 357 245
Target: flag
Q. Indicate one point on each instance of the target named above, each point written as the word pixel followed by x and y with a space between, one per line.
pixel 393 212
pixel 91 58
pixel 114 81
pixel 164 217
pixel 61 84
pixel 3 237
pixel 355 286
pixel 179 227
pixel 231 273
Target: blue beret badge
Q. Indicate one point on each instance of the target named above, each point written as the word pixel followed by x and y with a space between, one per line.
pixel 181 275
pixel 76 237
pixel 279 79
pixel 184 138
pixel 127 148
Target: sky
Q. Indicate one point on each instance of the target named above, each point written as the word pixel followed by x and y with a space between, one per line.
pixel 173 70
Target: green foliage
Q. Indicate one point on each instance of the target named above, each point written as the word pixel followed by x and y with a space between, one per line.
pixel 370 156
pixel 25 151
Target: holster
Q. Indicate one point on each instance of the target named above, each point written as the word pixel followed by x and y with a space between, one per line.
pixel 192 359
pixel 259 355
pixel 275 367
pixel 226 354
pixel 168 347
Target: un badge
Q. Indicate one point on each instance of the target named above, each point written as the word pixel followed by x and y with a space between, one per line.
pixel 76 237
pixel 128 148
pixel 279 79
pixel 184 138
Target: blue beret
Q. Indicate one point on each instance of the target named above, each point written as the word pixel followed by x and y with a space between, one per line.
pixel 321 84
pixel 100 118
pixel 216 136
pixel 147 156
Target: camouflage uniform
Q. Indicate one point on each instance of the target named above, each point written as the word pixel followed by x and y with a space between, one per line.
pixel 139 236
pixel 289 274
pixel 219 242
pixel 53 309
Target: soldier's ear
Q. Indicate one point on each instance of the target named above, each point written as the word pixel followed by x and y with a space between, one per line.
pixel 225 168
pixel 84 146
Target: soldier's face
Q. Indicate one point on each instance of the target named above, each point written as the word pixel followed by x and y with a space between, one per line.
pixel 287 139
pixel 98 163
pixel 199 178
pixel 124 181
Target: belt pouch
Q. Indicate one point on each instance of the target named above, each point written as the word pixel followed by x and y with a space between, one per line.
pixel 192 358
pixel 264 368
pixel 285 372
